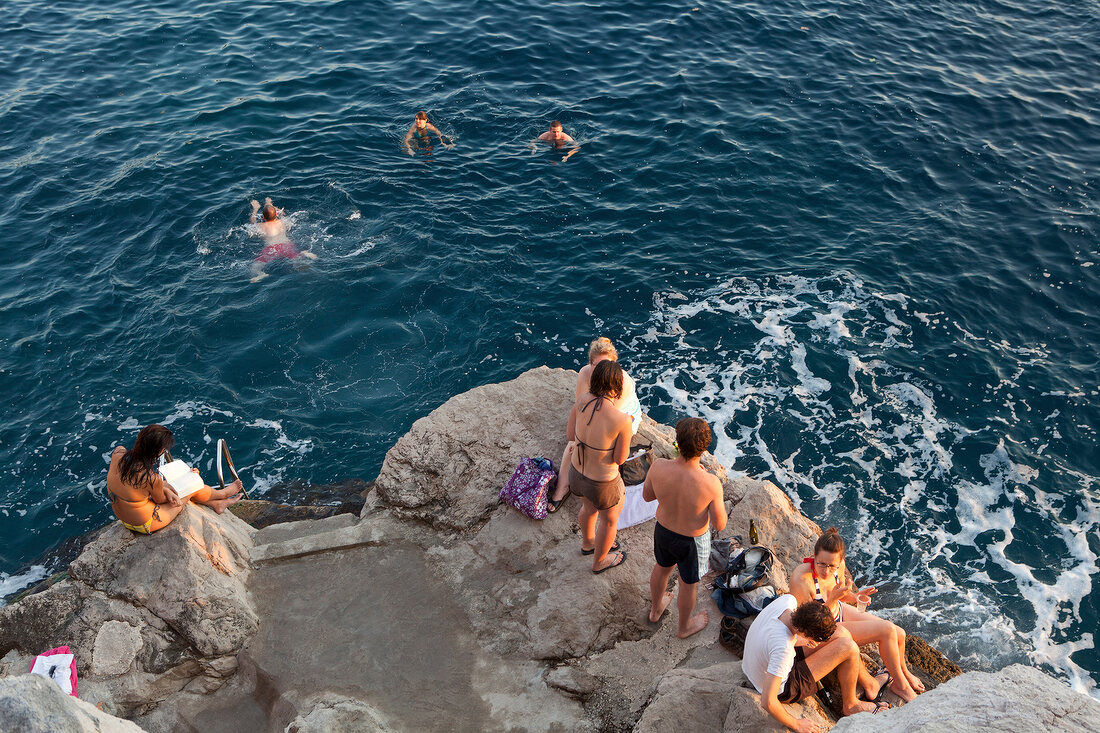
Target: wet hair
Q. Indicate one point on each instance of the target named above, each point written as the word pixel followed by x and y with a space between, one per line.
pixel 607 379
pixel 830 541
pixel 554 124
pixel 692 437
pixel 138 465
pixel 600 347
pixel 814 620
pixel 270 213
pixel 421 115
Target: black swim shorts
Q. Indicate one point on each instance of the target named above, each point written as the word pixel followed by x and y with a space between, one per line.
pixel 690 554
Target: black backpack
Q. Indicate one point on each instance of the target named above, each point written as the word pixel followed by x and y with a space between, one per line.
pixel 747 586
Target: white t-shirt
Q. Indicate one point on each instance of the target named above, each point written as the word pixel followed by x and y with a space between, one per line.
pixel 769 645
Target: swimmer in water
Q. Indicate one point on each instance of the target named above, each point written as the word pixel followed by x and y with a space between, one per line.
pixel 421 130
pixel 277 245
pixel 557 137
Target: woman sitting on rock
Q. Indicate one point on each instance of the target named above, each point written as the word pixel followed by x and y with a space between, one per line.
pixel 140 498
pixel 818 579
pixel 602 434
pixel 599 350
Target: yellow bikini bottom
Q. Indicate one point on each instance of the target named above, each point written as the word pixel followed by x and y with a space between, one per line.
pixel 139 528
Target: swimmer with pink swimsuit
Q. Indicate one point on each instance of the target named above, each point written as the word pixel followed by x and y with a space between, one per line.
pixel 274 231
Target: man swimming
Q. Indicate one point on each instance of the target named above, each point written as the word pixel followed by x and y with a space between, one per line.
pixel 557 137
pixel 421 130
pixel 278 246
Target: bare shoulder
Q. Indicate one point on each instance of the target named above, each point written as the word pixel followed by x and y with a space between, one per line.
pixel 716 484
pixel 661 465
pixel 119 450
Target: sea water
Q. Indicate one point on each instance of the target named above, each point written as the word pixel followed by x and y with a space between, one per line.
pixel 858 238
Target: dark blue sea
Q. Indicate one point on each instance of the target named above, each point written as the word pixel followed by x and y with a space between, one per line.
pixel 860 238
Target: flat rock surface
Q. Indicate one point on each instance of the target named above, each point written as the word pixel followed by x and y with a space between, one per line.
pixel 33 704
pixel 1017 699
pixel 376 625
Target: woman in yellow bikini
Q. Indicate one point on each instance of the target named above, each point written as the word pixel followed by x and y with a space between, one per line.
pixel 140 498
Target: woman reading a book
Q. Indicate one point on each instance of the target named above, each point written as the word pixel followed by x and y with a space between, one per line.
pixel 141 499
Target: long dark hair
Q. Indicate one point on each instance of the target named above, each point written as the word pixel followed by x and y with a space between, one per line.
pixel 137 465
pixel 606 380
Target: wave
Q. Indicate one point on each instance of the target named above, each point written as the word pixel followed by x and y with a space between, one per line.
pixel 816 384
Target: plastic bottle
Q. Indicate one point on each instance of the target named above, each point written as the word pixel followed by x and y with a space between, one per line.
pixel 752 532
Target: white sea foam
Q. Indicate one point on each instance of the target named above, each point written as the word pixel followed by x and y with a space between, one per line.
pixel 14 583
pixel 930 503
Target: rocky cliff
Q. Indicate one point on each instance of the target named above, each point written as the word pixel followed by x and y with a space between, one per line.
pixel 436 609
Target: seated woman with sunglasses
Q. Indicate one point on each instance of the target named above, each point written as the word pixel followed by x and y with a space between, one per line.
pixel 140 498
pixel 818 579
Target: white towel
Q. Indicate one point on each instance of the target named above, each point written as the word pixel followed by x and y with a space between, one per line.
pixel 61 666
pixel 635 509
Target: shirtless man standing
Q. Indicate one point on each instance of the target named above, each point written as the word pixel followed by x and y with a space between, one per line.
pixel 277 245
pixel 420 129
pixel 557 137
pixel 688 499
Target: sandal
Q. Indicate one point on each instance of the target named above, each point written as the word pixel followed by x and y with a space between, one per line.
pixel 552 506
pixel 883 687
pixel 622 559
pixel 614 548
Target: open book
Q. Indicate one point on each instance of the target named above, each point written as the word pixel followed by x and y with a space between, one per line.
pixel 181 478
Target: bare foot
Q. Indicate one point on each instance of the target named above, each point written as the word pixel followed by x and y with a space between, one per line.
pixel 258 278
pixel 220 505
pixel 881 679
pixel 866 707
pixel 309 255
pixel 903 690
pixel 658 609
pixel 695 624
pixel 915 682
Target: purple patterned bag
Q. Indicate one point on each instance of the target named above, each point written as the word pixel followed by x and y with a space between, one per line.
pixel 530 486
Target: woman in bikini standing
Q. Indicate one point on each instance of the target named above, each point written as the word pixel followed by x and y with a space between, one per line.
pixel 599 350
pixel 140 498
pixel 818 579
pixel 602 433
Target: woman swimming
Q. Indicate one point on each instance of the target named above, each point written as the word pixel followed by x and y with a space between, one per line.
pixel 819 579
pixel 140 498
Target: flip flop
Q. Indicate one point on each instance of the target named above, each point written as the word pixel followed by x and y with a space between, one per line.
pixel 883 687
pixel 880 706
pixel 552 506
pixel 614 548
pixel 622 559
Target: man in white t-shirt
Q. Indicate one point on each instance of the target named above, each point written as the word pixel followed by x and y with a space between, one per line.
pixel 789 648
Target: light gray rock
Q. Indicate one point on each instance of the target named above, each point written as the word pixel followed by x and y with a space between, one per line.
pixel 191 574
pixel 33 704
pixel 1017 699
pixel 116 646
pixel 336 714
pixel 713 698
pixel 746 716
pixel 448 469
pixel 146 616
